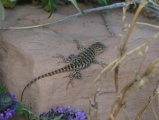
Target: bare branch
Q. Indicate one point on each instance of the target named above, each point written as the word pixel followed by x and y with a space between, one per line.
pixel 113 6
pixel 147 24
pixel 155 94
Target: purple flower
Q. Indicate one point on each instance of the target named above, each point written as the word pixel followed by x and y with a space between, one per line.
pixel 13 96
pixel 67 113
pixel 54 110
pixel 80 115
pixel 67 108
pixel 60 110
pixel 2 117
pixel 44 113
pixel 8 106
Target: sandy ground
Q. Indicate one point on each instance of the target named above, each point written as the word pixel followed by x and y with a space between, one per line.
pixel 28 53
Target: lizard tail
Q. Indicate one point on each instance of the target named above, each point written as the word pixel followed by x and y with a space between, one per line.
pixel 64 69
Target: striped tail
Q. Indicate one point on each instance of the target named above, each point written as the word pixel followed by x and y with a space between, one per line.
pixel 64 69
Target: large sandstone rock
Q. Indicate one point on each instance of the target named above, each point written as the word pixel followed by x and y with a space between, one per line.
pixel 26 54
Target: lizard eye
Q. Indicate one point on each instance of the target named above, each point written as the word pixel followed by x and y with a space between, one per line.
pixel 98 50
pixel 98 47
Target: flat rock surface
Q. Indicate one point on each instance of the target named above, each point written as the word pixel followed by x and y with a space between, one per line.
pixel 29 53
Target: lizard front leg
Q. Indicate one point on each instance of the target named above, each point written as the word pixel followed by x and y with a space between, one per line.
pixel 99 62
pixel 79 45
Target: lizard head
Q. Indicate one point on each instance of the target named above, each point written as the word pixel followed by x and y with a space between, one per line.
pixel 98 48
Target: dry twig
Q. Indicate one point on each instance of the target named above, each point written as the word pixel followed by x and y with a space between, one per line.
pixel 147 24
pixel 113 6
pixel 114 63
pixel 93 105
pixel 150 73
pixel 106 23
pixel 155 94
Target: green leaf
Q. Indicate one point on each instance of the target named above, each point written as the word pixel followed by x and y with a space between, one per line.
pixel 49 5
pixel 52 7
pixel 9 3
pixel 2 88
pixel 5 101
pixel 2 11
pixel 103 2
pixel 74 2
pixel 44 3
pixel 19 109
pixel 27 115
pixel 58 118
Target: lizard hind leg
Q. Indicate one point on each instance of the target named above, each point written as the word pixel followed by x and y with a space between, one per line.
pixel 76 74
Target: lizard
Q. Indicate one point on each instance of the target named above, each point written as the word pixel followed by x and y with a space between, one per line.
pixel 77 62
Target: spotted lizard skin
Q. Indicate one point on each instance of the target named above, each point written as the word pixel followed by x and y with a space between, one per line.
pixel 77 62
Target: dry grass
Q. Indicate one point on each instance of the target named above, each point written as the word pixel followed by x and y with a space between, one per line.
pixel 141 78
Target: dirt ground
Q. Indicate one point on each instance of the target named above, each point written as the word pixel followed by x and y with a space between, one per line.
pixel 28 53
